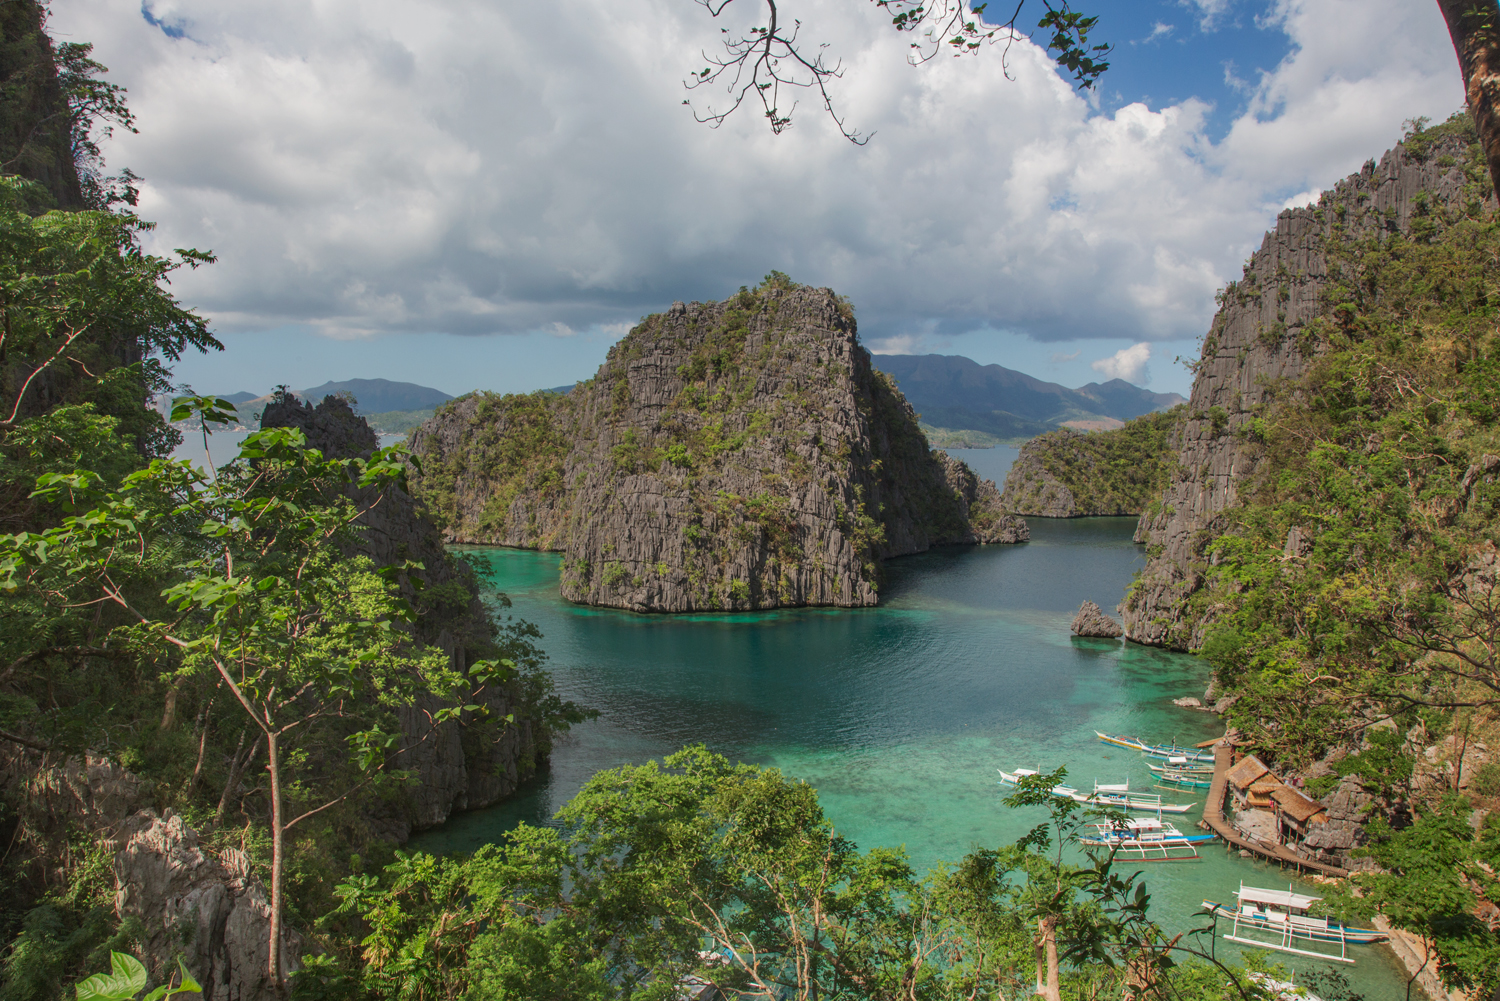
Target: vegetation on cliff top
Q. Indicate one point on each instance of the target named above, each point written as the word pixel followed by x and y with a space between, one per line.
pixel 1107 472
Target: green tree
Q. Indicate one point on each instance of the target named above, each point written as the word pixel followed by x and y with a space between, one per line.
pixel 1433 875
pixel 255 589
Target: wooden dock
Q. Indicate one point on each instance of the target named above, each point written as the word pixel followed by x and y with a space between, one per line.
pixel 1213 818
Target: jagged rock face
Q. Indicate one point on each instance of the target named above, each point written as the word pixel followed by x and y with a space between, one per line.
pixel 207 909
pixel 1254 349
pixel 449 776
pixel 1032 491
pixel 733 455
pixel 1091 621
pixel 980 504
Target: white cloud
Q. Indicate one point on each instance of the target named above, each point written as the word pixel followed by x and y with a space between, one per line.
pixel 900 344
pixel 1127 363
pixel 1159 30
pixel 374 166
pixel 1059 358
pixel 1306 198
pixel 1209 11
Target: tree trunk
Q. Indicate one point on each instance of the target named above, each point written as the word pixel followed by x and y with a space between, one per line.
pixel 237 764
pixel 273 763
pixel 1474 26
pixel 169 709
pixel 1046 959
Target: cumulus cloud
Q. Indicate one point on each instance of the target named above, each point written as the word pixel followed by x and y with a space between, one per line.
pixel 1127 363
pixel 899 344
pixel 374 166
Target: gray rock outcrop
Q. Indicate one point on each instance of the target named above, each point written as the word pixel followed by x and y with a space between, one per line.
pixel 727 456
pixel 1091 621
pixel 1258 345
pixel 208 909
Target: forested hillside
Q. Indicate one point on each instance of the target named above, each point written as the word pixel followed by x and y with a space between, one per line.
pixel 1334 551
pixel 1069 474
pixel 218 690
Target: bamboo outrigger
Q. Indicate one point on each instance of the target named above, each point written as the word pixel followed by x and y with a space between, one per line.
pixel 1115 796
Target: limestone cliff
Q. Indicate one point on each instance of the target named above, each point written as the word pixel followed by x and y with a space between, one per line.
pixel 1260 343
pixel 732 455
pixel 1068 474
pixel 449 775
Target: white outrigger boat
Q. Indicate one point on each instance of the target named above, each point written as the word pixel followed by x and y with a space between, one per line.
pixel 1106 795
pixel 1282 914
pixel 1163 751
pixel 1186 778
pixel 1180 763
pixel 1146 839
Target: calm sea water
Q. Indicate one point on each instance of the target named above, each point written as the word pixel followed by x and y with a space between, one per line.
pixel 898 715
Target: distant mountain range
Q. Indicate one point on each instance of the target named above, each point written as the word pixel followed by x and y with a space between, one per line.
pixel 950 392
pixel 371 396
pixel 958 393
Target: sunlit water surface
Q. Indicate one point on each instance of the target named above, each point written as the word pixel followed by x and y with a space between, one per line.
pixel 898 715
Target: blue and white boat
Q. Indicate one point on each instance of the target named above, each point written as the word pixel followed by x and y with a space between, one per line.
pixel 1162 751
pixel 1146 839
pixel 1279 917
pixel 1109 796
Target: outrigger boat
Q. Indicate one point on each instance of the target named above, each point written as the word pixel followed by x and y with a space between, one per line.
pixel 1117 796
pixel 1185 778
pixel 1146 839
pixel 1182 764
pixel 1164 751
pixel 1283 914
pixel 1105 795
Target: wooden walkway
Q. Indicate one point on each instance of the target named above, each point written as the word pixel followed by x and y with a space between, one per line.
pixel 1213 818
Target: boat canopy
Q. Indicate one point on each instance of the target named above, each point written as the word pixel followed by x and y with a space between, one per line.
pixel 1278 898
pixel 1135 824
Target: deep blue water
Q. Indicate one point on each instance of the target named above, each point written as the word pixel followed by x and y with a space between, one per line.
pixel 900 714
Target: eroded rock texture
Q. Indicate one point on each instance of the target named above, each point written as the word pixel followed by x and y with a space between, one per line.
pixel 450 774
pixel 1259 345
pixel 207 909
pixel 731 455
pixel 1091 621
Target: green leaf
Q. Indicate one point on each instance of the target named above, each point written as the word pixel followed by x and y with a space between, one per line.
pixel 186 984
pixel 126 979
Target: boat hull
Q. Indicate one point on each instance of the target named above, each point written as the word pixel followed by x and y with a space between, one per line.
pixel 1162 751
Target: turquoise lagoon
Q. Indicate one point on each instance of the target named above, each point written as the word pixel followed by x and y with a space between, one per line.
pixel 898 715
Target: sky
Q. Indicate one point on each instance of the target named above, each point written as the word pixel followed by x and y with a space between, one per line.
pixel 486 194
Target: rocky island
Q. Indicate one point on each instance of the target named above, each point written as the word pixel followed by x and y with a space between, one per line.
pixel 727 456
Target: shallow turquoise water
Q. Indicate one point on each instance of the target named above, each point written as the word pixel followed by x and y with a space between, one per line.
pixel 898 715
